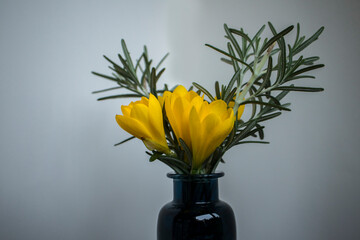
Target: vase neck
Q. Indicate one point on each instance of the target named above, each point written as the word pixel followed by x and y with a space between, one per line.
pixel 196 190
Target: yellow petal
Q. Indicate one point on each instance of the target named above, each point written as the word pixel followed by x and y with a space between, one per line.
pixel 126 109
pixel 197 102
pixel 210 126
pixel 211 122
pixel 170 115
pixel 132 126
pixel 191 95
pixel 162 98
pixel 140 112
pixel 180 90
pixel 219 107
pixel 156 117
pixel 204 110
pixel 181 111
pixel 196 134
pixel 144 101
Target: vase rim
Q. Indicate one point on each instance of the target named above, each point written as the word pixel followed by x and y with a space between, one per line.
pixel 195 176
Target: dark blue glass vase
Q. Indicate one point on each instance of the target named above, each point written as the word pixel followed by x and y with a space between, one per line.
pixel 196 213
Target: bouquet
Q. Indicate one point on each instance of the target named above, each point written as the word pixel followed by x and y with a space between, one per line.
pixel 190 129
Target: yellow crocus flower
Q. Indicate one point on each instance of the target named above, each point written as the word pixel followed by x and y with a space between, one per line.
pixel 144 120
pixel 177 106
pixel 201 125
pixel 209 127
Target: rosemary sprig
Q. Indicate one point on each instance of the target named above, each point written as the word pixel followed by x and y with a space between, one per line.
pixel 265 71
pixel 138 77
pixel 266 78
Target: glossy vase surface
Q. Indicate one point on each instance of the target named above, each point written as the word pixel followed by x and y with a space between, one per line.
pixel 196 213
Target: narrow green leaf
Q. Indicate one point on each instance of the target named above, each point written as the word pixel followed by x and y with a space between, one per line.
pixel 275 38
pixel 242 142
pixel 202 89
pixel 105 90
pixel 233 57
pixel 261 131
pixel 266 104
pixel 179 162
pixel 178 168
pixel 269 109
pixel 281 67
pixel 282 63
pixel 159 75
pixel 309 41
pixel 299 77
pixel 155 156
pixel 283 94
pixel 214 160
pixel 243 35
pixel 293 68
pixel 253 110
pixel 259 32
pixel 105 76
pixel 138 63
pixel 234 63
pixel 242 134
pixel 148 67
pixel 112 62
pixel 230 138
pixel 297 33
pixel 186 150
pixel 310 60
pixel 161 61
pixel 226 61
pixel 301 40
pixel 129 69
pixel 231 84
pixel 290 57
pixel 124 141
pixel 307 69
pixel 120 96
pixel 300 89
pixel 122 73
pixel 268 117
pixel 230 96
pixel 253 132
pixel 272 98
pixel 127 56
pixel 244 43
pixel 145 76
pixel 217 90
pixel 234 42
pixel 152 83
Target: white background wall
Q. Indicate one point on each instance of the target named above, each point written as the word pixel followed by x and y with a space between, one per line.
pixel 60 176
